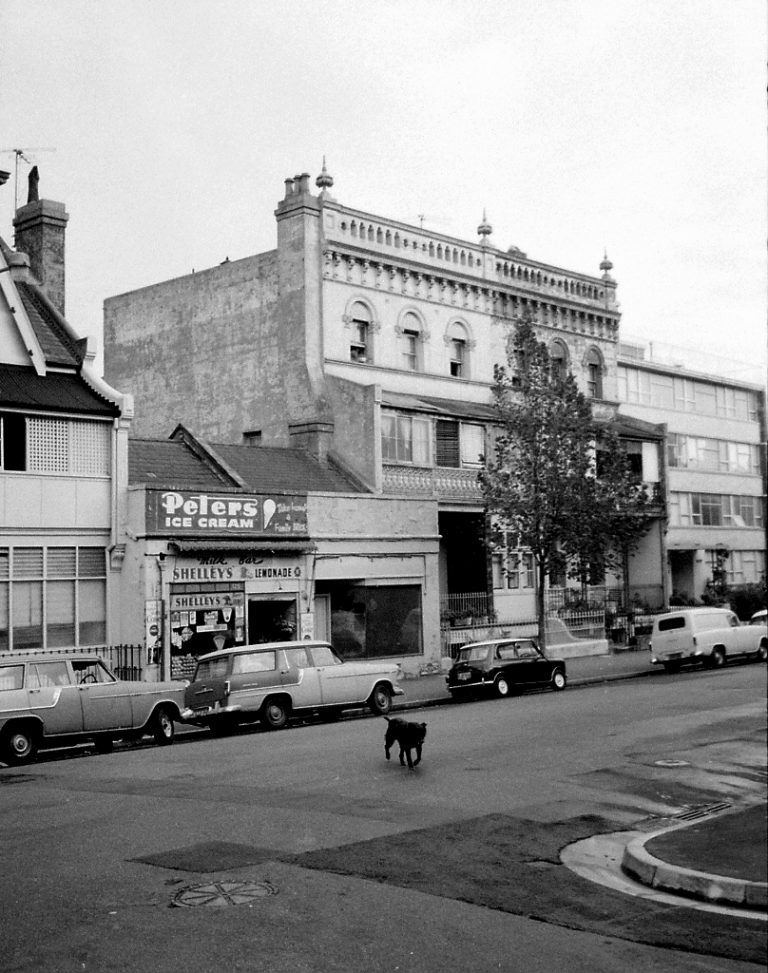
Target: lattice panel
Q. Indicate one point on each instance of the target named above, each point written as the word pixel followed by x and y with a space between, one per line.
pixel 91 451
pixel 48 446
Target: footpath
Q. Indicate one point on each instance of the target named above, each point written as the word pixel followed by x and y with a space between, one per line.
pixel 721 859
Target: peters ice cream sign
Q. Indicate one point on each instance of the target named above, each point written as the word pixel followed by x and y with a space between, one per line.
pixel 181 512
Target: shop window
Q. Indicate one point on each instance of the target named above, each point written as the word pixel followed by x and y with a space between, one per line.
pixel 374 621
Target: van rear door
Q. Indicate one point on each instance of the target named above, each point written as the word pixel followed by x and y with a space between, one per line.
pixel 673 639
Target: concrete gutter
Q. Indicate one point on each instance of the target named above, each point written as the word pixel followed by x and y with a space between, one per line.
pixel 657 874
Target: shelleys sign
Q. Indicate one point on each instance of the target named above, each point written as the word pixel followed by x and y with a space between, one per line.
pixel 181 512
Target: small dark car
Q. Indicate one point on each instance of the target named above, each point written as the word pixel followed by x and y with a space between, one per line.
pixel 501 665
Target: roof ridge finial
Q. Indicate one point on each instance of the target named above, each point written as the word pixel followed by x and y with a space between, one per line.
pixel 485 229
pixel 324 181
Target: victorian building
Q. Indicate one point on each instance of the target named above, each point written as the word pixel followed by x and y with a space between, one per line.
pixel 370 344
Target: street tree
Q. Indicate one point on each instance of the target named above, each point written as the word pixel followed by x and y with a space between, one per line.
pixel 559 484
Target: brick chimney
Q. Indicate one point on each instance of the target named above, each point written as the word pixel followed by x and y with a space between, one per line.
pixel 40 226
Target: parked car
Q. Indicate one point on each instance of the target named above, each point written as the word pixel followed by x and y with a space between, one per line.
pixel 501 665
pixel 759 618
pixel 272 681
pixel 708 636
pixel 49 699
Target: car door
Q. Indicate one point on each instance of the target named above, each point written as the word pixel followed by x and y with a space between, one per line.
pixel 301 677
pixel 54 698
pixel 337 683
pixel 106 702
pixel 528 664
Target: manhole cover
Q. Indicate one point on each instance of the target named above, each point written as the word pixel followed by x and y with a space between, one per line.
pixel 671 763
pixel 222 893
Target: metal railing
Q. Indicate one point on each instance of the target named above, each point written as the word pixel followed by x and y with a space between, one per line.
pixel 569 628
pixel 466 608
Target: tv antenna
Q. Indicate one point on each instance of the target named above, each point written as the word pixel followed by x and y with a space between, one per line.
pixel 439 220
pixel 21 154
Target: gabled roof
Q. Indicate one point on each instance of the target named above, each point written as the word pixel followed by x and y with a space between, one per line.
pixel 22 388
pixel 173 464
pixel 58 345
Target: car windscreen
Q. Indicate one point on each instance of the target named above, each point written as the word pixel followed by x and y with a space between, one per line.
pixel 667 624
pixel 472 653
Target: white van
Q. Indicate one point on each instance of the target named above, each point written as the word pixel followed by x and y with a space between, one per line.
pixel 706 635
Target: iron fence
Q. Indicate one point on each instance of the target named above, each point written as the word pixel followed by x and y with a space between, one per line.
pixel 565 628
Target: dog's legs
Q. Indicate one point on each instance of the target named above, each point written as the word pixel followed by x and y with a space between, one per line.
pixel 418 755
pixel 408 755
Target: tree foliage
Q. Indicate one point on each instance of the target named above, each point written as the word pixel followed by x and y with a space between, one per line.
pixel 559 484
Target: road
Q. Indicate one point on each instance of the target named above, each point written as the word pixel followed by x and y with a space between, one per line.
pixel 341 861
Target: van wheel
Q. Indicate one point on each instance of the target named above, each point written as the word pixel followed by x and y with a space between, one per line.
pixel 274 713
pixel 163 729
pixel 761 655
pixel 19 746
pixel 717 658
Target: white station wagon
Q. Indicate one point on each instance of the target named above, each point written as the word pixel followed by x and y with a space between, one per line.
pixel 706 635
pixel 50 699
pixel 271 681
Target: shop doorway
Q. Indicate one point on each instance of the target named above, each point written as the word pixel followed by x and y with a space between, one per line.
pixel 271 619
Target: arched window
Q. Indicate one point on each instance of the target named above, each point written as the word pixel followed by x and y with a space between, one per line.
pixel 593 365
pixel 360 343
pixel 411 337
pixel 558 356
pixel 458 351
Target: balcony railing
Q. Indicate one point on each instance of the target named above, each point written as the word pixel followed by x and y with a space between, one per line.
pixel 438 481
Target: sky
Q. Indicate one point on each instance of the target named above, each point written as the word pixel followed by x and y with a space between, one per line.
pixel 579 126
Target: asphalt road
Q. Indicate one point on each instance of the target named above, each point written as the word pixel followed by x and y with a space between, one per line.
pixel 317 854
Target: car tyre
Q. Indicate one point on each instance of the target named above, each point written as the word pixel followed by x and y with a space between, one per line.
pixel 717 659
pixel 19 746
pixel 502 686
pixel 275 713
pixel 163 729
pixel 380 700
pixel 558 680
pixel 761 655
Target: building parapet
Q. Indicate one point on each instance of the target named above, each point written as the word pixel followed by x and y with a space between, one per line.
pixel 443 483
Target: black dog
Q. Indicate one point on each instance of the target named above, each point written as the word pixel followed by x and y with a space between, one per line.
pixel 408 736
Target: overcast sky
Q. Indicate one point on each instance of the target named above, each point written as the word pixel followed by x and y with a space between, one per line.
pixel 579 125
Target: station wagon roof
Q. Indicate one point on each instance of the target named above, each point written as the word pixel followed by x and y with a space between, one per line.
pixel 15 658
pixel 260 647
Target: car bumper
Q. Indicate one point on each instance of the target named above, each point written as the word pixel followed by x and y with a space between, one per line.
pixel 198 715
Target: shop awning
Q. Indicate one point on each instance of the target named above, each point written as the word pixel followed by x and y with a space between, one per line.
pixel 240 546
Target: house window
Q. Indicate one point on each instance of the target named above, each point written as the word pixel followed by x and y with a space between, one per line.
pixel 594 368
pixel 472 444
pixel 46 445
pixel 458 357
pixel 411 342
pixel 359 346
pixel 52 597
pixel 13 441
pixel 558 357
pixel 447 440
pixel 405 439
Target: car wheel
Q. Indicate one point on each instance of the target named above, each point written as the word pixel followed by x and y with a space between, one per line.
pixel 502 687
pixel 274 713
pixel 104 744
pixel 163 730
pixel 761 655
pixel 717 658
pixel 19 746
pixel 380 701
pixel 558 679
pixel 671 666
